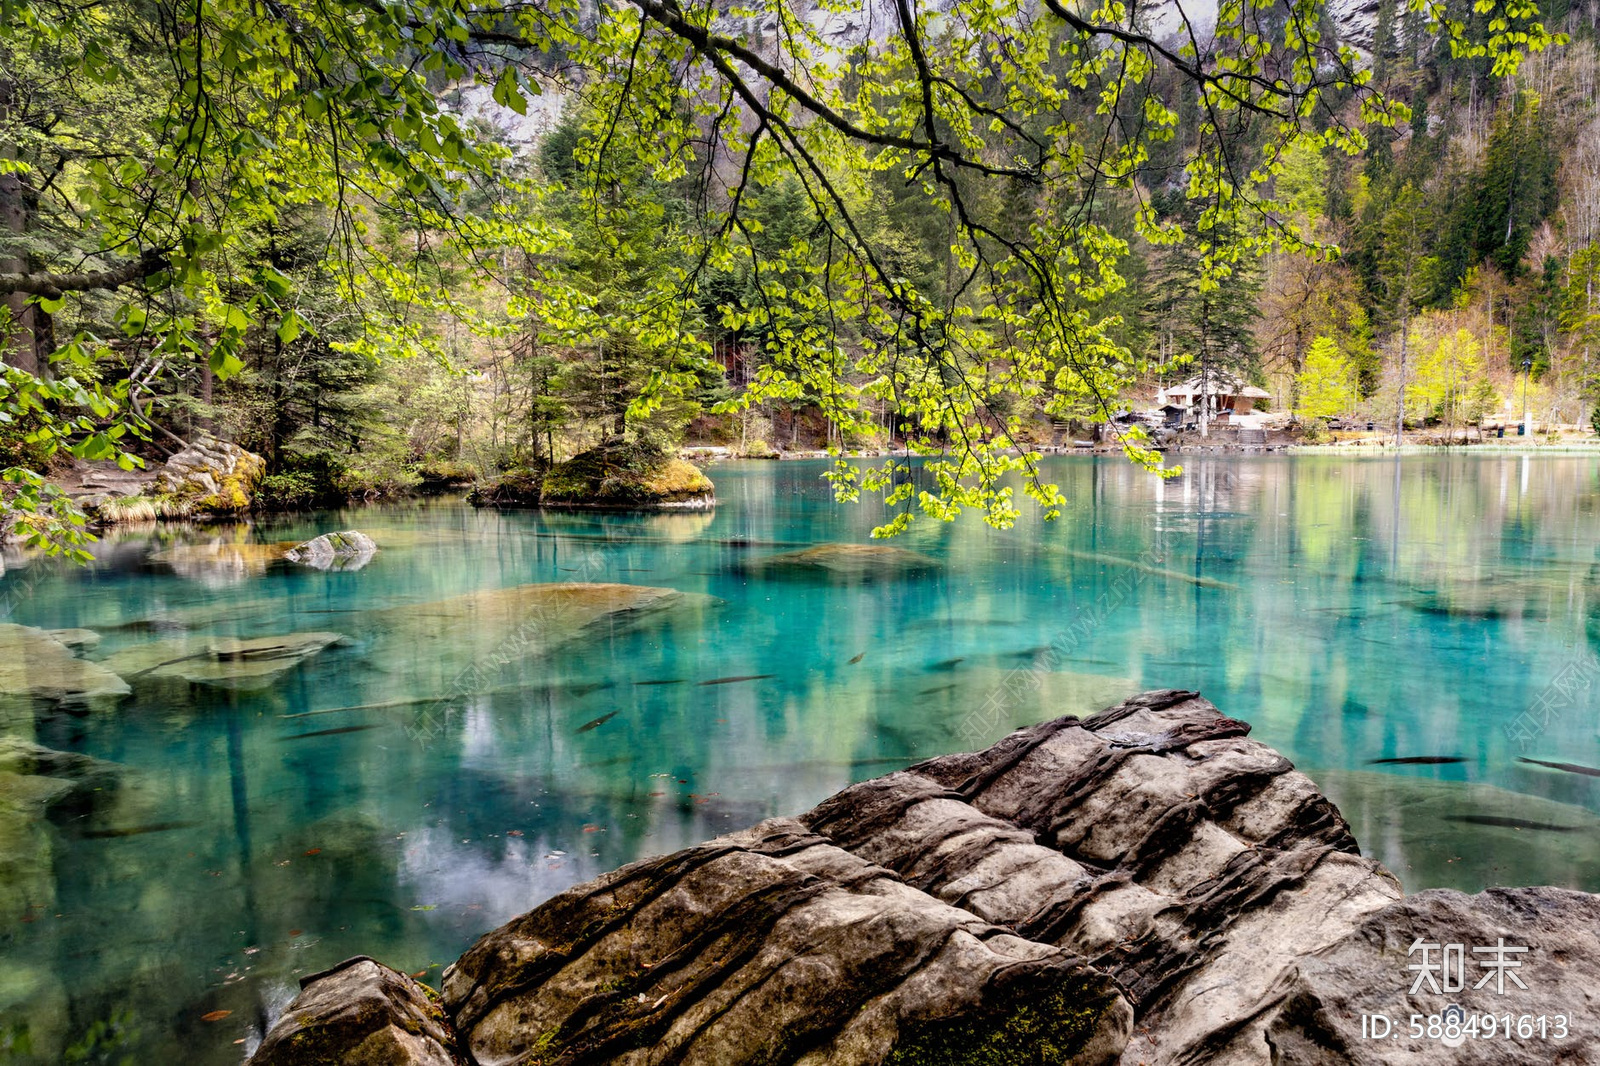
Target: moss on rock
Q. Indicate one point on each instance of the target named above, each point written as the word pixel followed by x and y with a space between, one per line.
pixel 615 477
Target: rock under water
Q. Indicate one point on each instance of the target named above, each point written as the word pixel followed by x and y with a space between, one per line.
pixel 844 562
pixel 245 665
pixel 1145 885
pixel 39 665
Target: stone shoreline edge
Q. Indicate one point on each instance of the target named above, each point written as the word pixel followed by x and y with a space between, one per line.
pixel 1145 885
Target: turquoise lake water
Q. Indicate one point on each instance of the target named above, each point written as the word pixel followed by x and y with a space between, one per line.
pixel 1352 610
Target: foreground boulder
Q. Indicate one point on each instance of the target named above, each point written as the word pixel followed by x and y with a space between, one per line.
pixel 772 946
pixel 361 1013
pixel 349 550
pixel 1146 885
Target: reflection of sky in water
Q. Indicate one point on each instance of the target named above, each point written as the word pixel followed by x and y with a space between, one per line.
pixel 1349 615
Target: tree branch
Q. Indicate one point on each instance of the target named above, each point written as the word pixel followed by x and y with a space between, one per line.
pixel 52 286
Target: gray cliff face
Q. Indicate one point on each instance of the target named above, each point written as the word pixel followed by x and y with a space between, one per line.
pixel 1144 886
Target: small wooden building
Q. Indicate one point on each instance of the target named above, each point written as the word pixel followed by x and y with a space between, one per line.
pixel 1220 392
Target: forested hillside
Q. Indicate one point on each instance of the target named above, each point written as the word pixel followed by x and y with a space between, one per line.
pixel 383 245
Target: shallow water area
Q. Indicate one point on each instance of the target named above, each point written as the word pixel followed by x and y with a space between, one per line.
pixel 405 755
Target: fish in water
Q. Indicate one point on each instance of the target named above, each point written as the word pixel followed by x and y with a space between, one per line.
pixel 947 664
pixel 662 681
pixel 636 570
pixel 937 688
pixel 328 732
pixel 1569 767
pixel 1418 760
pixel 857 658
pixel 1509 823
pixel 741 677
pixel 135 830
pixel 597 723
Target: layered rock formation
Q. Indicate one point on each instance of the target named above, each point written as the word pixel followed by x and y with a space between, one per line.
pixel 1144 886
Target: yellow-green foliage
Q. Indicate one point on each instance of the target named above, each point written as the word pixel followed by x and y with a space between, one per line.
pixel 1327 383
pixel 676 479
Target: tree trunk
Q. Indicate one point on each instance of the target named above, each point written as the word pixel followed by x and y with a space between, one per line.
pixel 29 327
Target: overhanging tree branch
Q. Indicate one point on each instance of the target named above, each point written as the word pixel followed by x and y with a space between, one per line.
pixel 52 286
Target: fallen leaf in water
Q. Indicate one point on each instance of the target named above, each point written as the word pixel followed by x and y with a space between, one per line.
pixel 215 1015
pixel 314 851
pixel 424 907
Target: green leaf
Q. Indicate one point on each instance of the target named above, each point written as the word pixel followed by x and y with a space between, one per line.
pixel 508 91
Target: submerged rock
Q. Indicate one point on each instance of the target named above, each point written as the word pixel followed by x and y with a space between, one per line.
pixel 360 1013
pixel 223 662
pixel 1144 885
pixel 35 780
pixel 844 562
pixel 527 620
pixel 350 550
pixel 1433 832
pixel 35 664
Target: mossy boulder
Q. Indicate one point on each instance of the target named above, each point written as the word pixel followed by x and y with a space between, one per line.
pixel 212 476
pixel 349 550
pixel 626 479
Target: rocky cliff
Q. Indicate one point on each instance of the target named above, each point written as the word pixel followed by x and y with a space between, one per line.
pixel 1144 886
